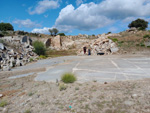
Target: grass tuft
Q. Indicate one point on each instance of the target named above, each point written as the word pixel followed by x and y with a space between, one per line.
pixel 3 103
pixel 68 78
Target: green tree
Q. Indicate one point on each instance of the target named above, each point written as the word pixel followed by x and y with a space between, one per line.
pixel 139 23
pixel 51 31
pixel 55 31
pixel 61 34
pixel 39 48
pixel 6 27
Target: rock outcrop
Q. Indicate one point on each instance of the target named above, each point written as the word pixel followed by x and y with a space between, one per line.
pixel 16 51
pixel 102 45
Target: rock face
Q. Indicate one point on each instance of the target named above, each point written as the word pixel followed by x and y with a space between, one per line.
pixel 16 52
pixel 100 46
pixel 56 42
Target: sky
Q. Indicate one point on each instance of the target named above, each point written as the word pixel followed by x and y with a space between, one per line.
pixel 73 16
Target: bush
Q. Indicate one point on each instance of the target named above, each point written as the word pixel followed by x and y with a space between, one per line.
pixel 139 23
pixel 142 44
pixel 62 87
pixel 31 60
pixel 3 103
pixel 6 27
pixel 68 78
pixel 2 41
pixel 42 57
pixel 39 48
pixel 146 36
pixel 61 34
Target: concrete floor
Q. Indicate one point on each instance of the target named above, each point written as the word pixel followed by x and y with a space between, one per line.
pixel 90 68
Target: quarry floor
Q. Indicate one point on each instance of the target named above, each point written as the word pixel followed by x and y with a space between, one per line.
pixel 90 68
pixel 126 88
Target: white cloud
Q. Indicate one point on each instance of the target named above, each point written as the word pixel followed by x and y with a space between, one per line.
pixel 26 23
pixel 43 6
pixel 92 16
pixel 43 30
pixel 78 2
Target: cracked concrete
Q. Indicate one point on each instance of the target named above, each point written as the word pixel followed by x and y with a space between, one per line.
pixel 91 68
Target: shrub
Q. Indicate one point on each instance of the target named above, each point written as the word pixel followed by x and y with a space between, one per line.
pixel 61 34
pixel 39 48
pixel 114 39
pixel 42 57
pixel 68 78
pixel 142 44
pixel 28 111
pixel 31 59
pixel 146 36
pixel 2 41
pixel 62 87
pixel 3 103
pixel 30 94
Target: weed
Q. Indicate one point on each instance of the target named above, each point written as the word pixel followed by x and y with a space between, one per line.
pixel 146 36
pixel 77 88
pixel 62 87
pixel 28 111
pixel 42 103
pixel 3 103
pixel 68 78
pixel 42 57
pixel 30 94
pixel 31 59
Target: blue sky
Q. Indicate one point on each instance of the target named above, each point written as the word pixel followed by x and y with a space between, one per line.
pixel 73 16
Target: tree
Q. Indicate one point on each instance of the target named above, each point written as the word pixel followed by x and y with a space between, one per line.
pixel 139 23
pixel 6 27
pixel 51 31
pixel 55 31
pixel 61 34
pixel 39 48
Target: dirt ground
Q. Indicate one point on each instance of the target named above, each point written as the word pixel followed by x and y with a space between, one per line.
pixel 24 95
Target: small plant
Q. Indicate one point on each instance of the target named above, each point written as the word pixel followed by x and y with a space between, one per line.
pixel 2 41
pixel 68 78
pixel 114 39
pixel 28 111
pixel 31 60
pixel 30 94
pixel 42 57
pixel 77 88
pixel 62 87
pixel 3 103
pixel 146 36
pixel 42 103
pixel 142 44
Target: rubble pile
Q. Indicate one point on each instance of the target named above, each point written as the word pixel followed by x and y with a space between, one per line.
pixel 102 45
pixel 17 52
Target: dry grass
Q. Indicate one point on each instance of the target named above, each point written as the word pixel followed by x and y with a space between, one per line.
pixel 132 42
pixel 54 53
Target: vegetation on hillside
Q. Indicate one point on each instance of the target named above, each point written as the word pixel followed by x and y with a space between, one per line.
pixel 61 34
pixel 6 27
pixel 53 31
pixel 39 48
pixel 139 23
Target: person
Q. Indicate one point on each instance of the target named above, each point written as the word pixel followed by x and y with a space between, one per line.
pixel 84 49
pixel 89 50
